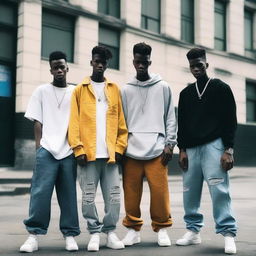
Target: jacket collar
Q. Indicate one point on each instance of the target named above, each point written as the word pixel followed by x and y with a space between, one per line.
pixel 87 81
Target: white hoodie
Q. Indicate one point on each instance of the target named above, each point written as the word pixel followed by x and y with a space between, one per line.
pixel 150 117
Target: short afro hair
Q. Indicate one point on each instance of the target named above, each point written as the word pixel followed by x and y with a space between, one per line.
pixel 57 55
pixel 142 48
pixel 195 53
pixel 103 51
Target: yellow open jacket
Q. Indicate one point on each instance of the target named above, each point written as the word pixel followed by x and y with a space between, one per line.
pixel 82 124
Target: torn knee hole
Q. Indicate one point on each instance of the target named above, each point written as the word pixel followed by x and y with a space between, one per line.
pixel 215 181
pixel 89 193
pixel 115 195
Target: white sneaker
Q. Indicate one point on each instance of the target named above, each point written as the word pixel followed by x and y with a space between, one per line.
pixel 114 242
pixel 189 238
pixel 94 243
pixel 230 246
pixel 163 238
pixel 132 237
pixel 30 245
pixel 71 244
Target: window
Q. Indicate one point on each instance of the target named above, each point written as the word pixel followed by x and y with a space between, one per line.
pixel 150 15
pixel 7 15
pixel 109 7
pixel 248 32
pixel 187 20
pixel 110 38
pixel 250 101
pixel 220 26
pixel 8 27
pixel 7 44
pixel 57 34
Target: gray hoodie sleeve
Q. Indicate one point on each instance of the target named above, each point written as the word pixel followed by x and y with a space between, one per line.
pixel 170 118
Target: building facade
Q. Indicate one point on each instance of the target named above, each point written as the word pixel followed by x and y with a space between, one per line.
pixel 31 29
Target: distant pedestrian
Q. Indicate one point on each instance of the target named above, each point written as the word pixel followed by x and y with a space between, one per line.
pixel 55 165
pixel 206 130
pixel 98 136
pixel 150 116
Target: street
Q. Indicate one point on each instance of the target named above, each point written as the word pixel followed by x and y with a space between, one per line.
pixel 13 209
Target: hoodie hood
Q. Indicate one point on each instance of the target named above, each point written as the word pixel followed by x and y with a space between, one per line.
pixel 154 79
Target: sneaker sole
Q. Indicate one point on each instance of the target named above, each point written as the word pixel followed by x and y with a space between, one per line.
pixel 114 248
pixel 29 251
pixel 137 241
pixel 164 244
pixel 71 250
pixel 190 243
pixel 92 250
pixel 230 252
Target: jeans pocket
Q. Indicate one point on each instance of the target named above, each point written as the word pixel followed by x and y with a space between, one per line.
pixel 39 152
pixel 218 144
pixel 38 149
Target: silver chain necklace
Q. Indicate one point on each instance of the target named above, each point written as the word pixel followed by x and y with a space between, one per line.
pixel 197 90
pixel 59 102
pixel 100 97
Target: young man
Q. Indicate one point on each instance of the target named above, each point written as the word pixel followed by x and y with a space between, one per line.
pixel 55 166
pixel 207 124
pixel 151 122
pixel 98 136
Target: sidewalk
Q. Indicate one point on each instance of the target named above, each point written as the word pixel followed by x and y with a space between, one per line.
pixel 13 176
pixel 17 182
pixel 13 182
pixel 13 209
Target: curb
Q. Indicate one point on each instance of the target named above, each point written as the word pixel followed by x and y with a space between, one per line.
pixel 15 180
pixel 14 189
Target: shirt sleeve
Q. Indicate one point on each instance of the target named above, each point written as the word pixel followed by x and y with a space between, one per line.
pixel 74 137
pixel 34 110
pixel 229 120
pixel 181 123
pixel 170 118
pixel 122 136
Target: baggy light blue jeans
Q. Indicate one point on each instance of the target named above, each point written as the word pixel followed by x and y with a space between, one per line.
pixel 49 173
pixel 108 175
pixel 204 164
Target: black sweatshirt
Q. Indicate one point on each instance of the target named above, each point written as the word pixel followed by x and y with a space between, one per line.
pixel 212 117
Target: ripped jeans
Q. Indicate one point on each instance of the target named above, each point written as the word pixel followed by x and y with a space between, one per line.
pixel 204 165
pixel 108 176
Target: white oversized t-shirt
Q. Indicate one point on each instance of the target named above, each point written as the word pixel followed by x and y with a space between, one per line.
pixel 50 105
pixel 101 119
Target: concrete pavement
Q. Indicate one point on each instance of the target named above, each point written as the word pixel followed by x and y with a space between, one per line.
pixel 14 182
pixel 13 209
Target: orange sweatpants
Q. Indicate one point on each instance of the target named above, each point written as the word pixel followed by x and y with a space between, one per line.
pixel 157 177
